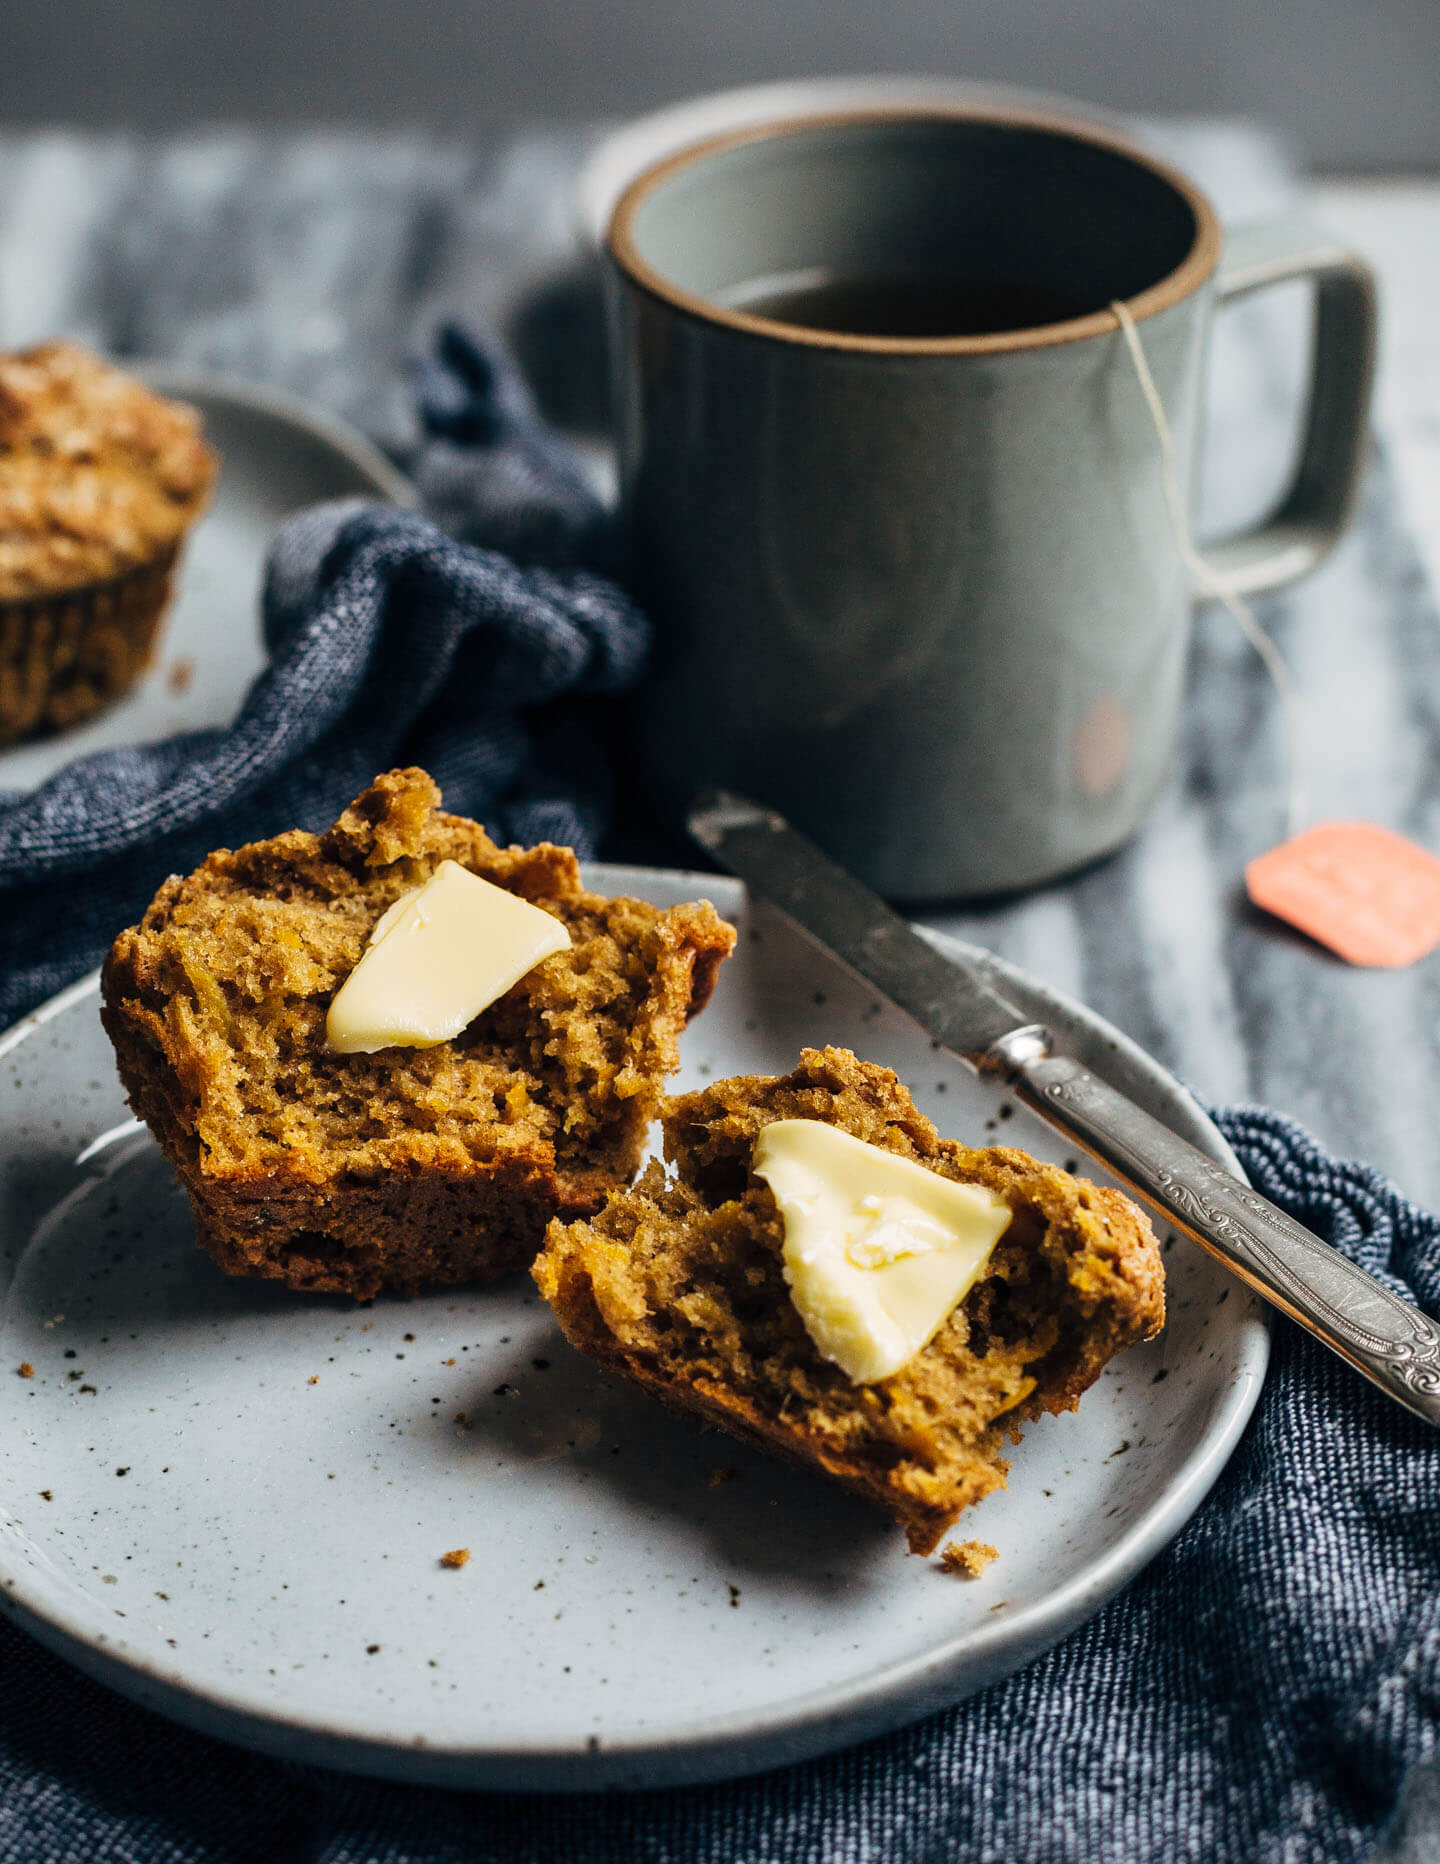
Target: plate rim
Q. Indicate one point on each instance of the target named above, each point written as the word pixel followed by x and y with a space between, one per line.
pixel 726 1746
pixel 184 379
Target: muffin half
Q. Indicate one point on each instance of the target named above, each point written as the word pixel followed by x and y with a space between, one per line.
pixel 409 1167
pixel 684 1284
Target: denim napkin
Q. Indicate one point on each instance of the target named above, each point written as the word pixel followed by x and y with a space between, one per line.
pixel 1258 1693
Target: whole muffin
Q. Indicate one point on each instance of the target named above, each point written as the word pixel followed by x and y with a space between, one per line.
pixel 99 482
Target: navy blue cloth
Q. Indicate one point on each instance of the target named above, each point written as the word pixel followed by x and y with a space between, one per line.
pixel 1256 1695
pixel 391 641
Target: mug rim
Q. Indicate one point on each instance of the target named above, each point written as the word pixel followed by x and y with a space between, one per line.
pixel 1180 282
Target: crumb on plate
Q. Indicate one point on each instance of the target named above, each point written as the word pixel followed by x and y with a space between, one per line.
pixel 968 1558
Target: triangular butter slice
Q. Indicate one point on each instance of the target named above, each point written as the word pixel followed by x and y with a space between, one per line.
pixel 878 1251
pixel 439 956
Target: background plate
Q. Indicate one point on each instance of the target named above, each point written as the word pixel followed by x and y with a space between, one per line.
pixel 277 453
pixel 229 1501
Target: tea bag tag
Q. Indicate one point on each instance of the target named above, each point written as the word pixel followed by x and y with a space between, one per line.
pixel 1371 896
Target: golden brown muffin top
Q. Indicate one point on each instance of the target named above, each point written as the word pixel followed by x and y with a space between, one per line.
pixel 98 476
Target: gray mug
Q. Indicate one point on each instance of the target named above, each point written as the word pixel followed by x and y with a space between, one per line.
pixel 921 592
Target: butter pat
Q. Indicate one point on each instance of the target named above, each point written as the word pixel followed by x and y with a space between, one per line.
pixel 878 1251
pixel 439 956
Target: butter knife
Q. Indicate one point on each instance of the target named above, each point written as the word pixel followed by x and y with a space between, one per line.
pixel 1393 1344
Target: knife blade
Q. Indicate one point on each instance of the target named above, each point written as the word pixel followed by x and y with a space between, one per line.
pixel 1392 1343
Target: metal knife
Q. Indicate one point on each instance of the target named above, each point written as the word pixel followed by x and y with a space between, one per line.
pixel 1393 1344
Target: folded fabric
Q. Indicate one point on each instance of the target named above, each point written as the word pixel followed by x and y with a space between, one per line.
pixel 390 642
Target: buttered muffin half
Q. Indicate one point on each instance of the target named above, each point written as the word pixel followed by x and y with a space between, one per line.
pixel 387 1055
pixel 821 1274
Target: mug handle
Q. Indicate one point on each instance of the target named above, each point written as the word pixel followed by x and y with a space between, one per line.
pixel 1316 505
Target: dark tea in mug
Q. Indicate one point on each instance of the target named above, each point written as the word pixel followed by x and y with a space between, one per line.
pixel 908 304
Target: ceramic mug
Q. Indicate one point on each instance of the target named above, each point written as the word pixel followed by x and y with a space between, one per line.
pixel 921 593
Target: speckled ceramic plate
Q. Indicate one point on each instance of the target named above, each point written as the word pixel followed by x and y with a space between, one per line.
pixel 230 1502
pixel 277 454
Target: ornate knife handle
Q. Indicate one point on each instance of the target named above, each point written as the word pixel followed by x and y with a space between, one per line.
pixel 1392 1343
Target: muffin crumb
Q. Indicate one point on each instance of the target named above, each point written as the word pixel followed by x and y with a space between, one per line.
pixel 457 1557
pixel 967 1558
pixel 25 1369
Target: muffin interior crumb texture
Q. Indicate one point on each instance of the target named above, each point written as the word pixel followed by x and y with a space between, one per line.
pixel 98 476
pixel 678 1283
pixel 409 1166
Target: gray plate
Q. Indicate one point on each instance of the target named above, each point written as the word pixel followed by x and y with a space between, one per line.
pixel 229 1502
pixel 277 453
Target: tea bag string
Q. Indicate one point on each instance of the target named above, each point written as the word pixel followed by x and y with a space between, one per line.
pixel 1209 581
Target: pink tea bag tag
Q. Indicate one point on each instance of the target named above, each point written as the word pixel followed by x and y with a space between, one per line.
pixel 1368 894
